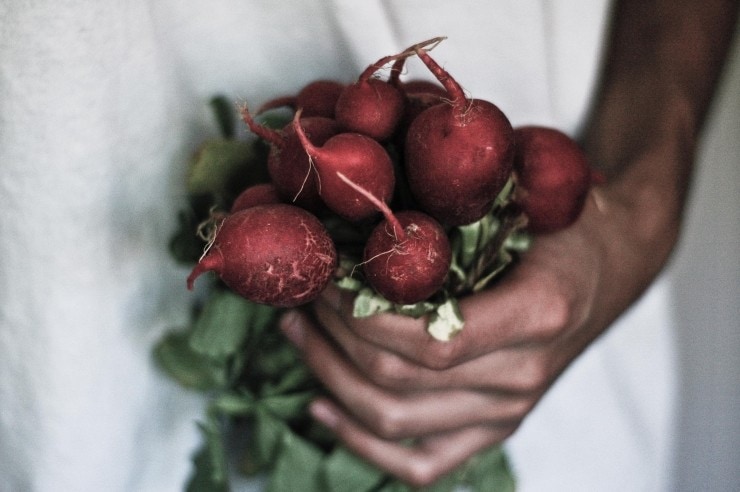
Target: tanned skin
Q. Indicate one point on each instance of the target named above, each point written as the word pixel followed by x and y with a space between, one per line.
pixel 390 381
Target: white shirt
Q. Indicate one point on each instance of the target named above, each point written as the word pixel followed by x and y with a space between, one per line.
pixel 100 104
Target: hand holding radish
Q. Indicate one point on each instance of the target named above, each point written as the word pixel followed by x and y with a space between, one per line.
pixel 391 382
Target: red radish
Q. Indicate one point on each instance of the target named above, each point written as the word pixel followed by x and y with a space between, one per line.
pixel 288 165
pixel 407 256
pixel 276 254
pixel 317 98
pixel 360 158
pixel 259 194
pixel 553 178
pixel 374 107
pixel 420 95
pixel 458 154
pixel 370 106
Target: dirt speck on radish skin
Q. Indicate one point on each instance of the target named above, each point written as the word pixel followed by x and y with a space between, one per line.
pixel 412 269
pixel 276 254
pixel 459 154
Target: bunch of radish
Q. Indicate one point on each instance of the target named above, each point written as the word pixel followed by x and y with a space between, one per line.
pixel 376 182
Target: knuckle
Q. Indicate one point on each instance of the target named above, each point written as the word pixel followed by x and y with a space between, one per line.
pixel 440 356
pixel 519 410
pixel 533 378
pixel 421 472
pixel 387 370
pixel 554 318
pixel 388 422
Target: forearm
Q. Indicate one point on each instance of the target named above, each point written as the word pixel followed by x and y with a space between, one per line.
pixel 662 64
pixel 663 60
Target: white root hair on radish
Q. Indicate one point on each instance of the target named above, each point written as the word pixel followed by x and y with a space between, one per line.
pixel 208 230
pixel 388 254
pixel 465 114
pixel 311 168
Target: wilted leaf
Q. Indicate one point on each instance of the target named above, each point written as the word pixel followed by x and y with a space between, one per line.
pixel 368 302
pixel 446 321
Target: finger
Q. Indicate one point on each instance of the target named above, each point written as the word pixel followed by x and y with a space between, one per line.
pixel 419 465
pixel 522 311
pixel 521 370
pixel 395 415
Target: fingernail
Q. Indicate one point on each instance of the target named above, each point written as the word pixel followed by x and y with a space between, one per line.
pixel 291 325
pixel 325 413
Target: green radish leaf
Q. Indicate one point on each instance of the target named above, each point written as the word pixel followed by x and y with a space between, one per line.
pixel 415 310
pixel 490 471
pixel 349 283
pixel 241 404
pixel 274 359
pixel 394 486
pixel 505 195
pixel 274 118
pixel 223 110
pixel 297 466
pixel 293 379
pixel 267 435
pixel 287 407
pixel 263 317
pixel 368 302
pixel 189 368
pixel 518 242
pixel 446 321
pixel 210 463
pixel 222 325
pixel 223 167
pixel 467 247
pixel 343 471
pixel 201 480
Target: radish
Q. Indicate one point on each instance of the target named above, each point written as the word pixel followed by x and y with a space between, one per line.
pixel 287 163
pixel 276 254
pixel 374 107
pixel 370 106
pixel 420 95
pixel 553 178
pixel 259 194
pixel 459 154
pixel 318 98
pixel 359 157
pixel 407 256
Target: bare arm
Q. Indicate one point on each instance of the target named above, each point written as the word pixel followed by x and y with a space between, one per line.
pixel 663 61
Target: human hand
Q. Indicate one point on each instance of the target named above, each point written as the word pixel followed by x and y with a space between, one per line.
pixel 393 383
